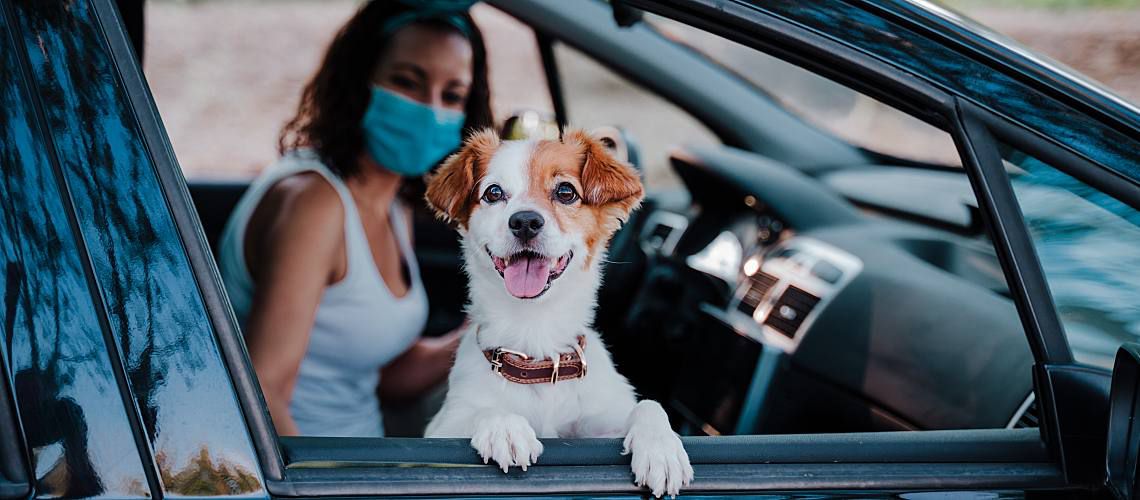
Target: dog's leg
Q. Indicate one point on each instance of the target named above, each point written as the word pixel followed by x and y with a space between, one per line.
pixel 506 438
pixel 659 460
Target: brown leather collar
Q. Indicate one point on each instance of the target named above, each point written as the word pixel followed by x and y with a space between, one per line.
pixel 520 369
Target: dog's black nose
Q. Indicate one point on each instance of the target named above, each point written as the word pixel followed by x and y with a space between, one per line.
pixel 526 224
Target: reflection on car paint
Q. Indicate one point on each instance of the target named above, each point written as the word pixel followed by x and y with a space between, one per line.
pixel 73 417
pixel 974 80
pixel 183 393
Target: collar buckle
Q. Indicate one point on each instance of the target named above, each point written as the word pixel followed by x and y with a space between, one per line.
pixel 497 358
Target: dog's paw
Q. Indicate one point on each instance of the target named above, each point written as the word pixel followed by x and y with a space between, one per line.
pixel 659 459
pixel 508 440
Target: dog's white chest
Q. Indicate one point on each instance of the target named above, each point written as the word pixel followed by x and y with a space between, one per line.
pixel 551 409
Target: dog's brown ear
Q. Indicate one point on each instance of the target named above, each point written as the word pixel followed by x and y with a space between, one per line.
pixel 451 189
pixel 605 179
pixel 611 138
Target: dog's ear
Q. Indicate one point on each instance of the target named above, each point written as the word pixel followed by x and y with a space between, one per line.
pixel 611 138
pixel 451 189
pixel 605 179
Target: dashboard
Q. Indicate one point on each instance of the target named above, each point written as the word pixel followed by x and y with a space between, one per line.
pixel 785 308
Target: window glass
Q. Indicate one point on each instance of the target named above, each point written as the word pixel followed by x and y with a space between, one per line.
pixel 596 96
pixel 1089 246
pixel 854 117
pixel 74 418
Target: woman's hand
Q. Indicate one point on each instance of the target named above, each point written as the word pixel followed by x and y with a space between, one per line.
pixel 423 366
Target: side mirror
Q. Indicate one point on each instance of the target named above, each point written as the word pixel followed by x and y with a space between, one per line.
pixel 1124 423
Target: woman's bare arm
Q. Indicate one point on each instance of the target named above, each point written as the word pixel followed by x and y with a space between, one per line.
pixel 296 242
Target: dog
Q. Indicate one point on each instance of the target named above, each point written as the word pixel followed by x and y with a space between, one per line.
pixel 535 218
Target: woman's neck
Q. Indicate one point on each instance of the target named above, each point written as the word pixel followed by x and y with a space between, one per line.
pixel 374 187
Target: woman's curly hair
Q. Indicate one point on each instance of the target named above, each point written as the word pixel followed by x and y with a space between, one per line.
pixel 334 101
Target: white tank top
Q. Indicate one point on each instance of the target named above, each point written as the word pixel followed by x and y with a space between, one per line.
pixel 360 326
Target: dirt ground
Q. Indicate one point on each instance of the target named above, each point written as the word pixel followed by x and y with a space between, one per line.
pixel 226 74
pixel 1103 44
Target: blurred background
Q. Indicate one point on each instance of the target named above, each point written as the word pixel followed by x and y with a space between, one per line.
pixel 226 75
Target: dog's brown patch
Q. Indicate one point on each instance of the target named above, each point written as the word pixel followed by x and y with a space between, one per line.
pixel 451 190
pixel 609 189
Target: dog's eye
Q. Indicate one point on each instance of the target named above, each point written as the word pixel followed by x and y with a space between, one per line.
pixel 493 193
pixel 565 193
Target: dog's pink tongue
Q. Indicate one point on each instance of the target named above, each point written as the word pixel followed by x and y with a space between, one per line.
pixel 526 278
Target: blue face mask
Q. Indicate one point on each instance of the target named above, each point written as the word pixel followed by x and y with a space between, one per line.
pixel 407 137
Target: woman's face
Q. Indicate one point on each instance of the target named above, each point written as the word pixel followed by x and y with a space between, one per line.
pixel 428 64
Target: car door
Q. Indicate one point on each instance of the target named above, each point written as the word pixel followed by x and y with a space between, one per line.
pixel 116 374
pixel 186 405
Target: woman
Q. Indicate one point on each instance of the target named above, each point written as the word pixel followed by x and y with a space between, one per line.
pixel 317 257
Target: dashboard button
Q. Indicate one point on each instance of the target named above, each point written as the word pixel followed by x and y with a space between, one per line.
pixel 788 313
pixel 827 271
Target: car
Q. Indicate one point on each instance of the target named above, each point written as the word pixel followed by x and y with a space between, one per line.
pixel 821 313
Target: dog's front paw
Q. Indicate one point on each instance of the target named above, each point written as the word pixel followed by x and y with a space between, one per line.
pixel 508 440
pixel 659 459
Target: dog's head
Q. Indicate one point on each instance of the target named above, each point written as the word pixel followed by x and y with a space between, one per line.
pixel 536 211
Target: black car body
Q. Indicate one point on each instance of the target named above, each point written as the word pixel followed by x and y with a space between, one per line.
pixel 125 374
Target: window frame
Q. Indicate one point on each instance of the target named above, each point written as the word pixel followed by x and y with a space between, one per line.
pixel 1074 397
pixel 1009 459
pixel 172 184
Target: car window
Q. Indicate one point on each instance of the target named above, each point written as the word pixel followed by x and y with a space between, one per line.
pixel 850 115
pixel 597 96
pixel 61 373
pixel 518 81
pixel 890 357
pixel 225 89
pixel 1089 246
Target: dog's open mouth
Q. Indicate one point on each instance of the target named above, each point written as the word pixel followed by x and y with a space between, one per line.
pixel 528 274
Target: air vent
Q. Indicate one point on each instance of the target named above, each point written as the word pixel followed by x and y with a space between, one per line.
pixel 661 232
pixel 790 311
pixel 758 286
pixel 658 235
pixel 1029 418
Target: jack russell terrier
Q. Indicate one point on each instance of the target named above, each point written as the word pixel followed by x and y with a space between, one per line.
pixel 535 217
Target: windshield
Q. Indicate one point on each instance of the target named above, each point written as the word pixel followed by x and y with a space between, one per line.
pixel 849 115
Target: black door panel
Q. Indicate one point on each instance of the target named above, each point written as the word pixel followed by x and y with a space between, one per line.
pixel 441 268
pixel 215 201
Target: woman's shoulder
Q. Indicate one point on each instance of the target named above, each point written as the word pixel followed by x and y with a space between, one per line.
pixel 304 196
pixel 299 177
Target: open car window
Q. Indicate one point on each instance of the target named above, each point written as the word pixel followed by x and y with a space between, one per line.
pixel 815 301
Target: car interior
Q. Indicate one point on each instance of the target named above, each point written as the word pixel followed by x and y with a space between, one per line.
pixel 781 275
pixel 838 239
